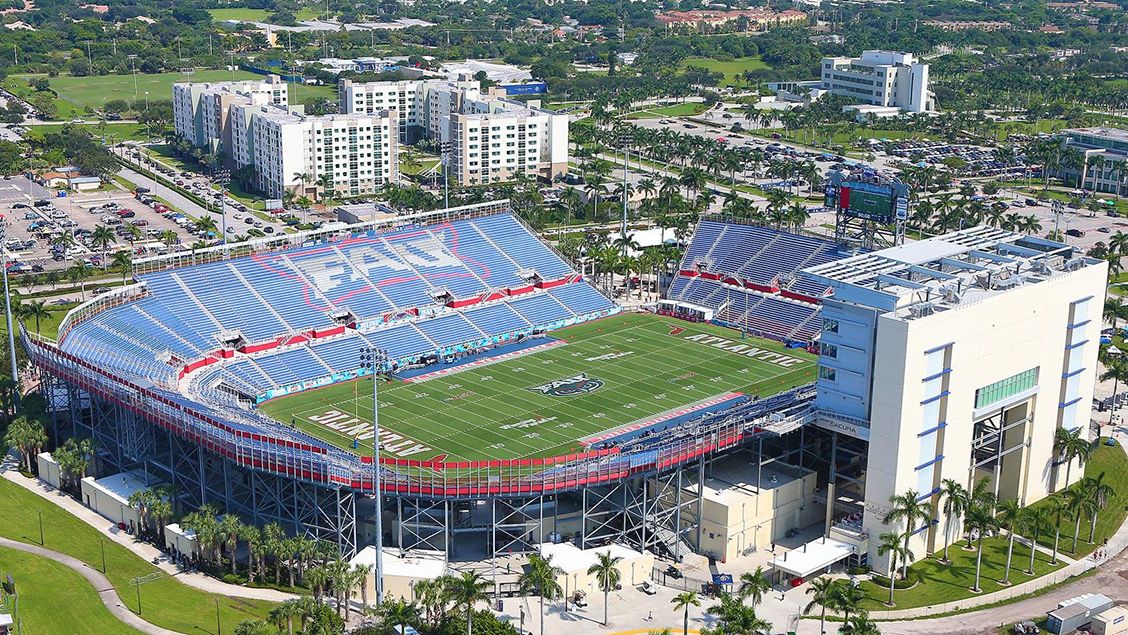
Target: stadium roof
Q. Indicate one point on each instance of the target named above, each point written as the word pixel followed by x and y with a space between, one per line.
pixel 944 271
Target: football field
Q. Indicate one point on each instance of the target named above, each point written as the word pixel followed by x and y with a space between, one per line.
pixel 587 380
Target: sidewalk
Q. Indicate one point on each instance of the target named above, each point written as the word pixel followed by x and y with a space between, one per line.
pixel 143 550
pixel 101 584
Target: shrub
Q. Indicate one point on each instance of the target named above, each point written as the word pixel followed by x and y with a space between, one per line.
pixel 908 582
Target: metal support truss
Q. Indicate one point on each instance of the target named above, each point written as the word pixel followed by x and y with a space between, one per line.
pixel 519 524
pixel 422 524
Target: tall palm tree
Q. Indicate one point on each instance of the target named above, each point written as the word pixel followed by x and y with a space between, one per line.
pixel 1071 446
pixel 607 576
pixel 891 543
pixel 124 262
pixel 956 500
pixel 754 585
pixel 733 616
pixel 28 436
pixel 1098 492
pixel 908 510
pixel 682 602
pixel 822 592
pixel 540 576
pixel 980 519
pixel 101 238
pixel 467 590
pixel 1009 513
pixel 36 310
pixel 1034 521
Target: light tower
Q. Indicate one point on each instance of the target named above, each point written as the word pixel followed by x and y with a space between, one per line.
pixel 376 361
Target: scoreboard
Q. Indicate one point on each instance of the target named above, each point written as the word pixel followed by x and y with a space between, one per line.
pixel 879 202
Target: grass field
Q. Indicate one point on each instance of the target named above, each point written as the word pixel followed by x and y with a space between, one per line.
pixel 165 602
pixel 243 14
pixel 39 582
pixel 731 68
pixel 647 366
pixel 113 131
pixel 687 109
pixel 1112 462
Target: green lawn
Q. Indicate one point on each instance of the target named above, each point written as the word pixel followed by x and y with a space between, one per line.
pixel 41 583
pixel 1005 129
pixel 1112 462
pixel 731 68
pixel 242 14
pixel 112 131
pixel 94 90
pixel 645 366
pixel 687 109
pixel 942 583
pixel 49 326
pixel 166 602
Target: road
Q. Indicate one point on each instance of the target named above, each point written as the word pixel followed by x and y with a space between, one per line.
pixel 158 189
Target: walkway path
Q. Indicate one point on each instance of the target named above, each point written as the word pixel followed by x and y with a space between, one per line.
pixel 101 585
pixel 143 550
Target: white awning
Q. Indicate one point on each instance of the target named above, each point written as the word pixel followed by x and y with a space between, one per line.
pixel 812 557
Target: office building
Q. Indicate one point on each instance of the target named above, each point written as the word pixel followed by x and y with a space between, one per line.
pixel 957 357
pixel 880 78
pixel 1105 151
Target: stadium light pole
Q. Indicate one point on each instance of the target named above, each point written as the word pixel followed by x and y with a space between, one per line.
pixel 376 360
pixel 444 159
pixel 8 309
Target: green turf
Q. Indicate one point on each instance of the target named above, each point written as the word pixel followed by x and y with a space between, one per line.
pixel 942 583
pixel 687 109
pixel 112 132
pixel 94 90
pixel 1112 462
pixel 242 14
pixel 165 602
pixel 731 68
pixel 40 583
pixel 493 411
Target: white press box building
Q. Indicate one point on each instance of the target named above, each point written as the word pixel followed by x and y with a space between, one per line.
pixel 251 124
pixel 957 357
pixel 491 139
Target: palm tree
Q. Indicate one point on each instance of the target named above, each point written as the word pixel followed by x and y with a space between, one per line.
pixel 754 585
pixel 207 225
pixel 908 509
pixel 956 500
pixel 102 237
pixel 1071 446
pixel 891 543
pixel 28 436
pixel 734 617
pixel 399 611
pixel 540 576
pixel 822 592
pixel 682 602
pixel 1009 513
pixel 37 310
pixel 169 237
pixel 429 594
pixel 848 599
pixel 80 274
pixel 303 178
pixel 1034 521
pixel 980 520
pixel 231 527
pixel 123 261
pixel 606 572
pixel 467 590
pixel 1098 492
pixel 859 625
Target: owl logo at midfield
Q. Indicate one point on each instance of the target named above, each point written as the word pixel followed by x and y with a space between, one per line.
pixel 569 386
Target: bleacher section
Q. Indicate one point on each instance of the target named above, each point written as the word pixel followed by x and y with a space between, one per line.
pixel 284 302
pixel 750 276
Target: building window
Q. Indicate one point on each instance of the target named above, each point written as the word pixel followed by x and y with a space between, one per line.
pixel 830 326
pixel 829 350
pixel 1004 388
pixel 826 373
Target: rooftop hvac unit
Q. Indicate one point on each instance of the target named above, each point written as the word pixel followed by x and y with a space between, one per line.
pixel 951 296
pixel 922 309
pixel 1073 264
pixel 1055 262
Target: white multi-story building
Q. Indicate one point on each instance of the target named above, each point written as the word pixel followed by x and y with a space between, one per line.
pixel 491 139
pixel 200 110
pixel 880 78
pixel 359 153
pixel 956 357
pixel 1105 156
pixel 250 124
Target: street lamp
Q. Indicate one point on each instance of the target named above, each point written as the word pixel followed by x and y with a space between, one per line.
pixel 223 177
pixel 375 360
pixel 444 158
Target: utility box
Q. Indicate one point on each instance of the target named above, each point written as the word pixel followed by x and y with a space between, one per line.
pixel 1072 614
pixel 1114 621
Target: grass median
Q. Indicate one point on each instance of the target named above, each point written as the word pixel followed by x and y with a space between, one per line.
pixel 165 602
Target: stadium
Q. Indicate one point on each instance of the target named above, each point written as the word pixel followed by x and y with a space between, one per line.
pixel 518 405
